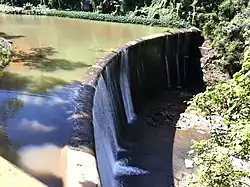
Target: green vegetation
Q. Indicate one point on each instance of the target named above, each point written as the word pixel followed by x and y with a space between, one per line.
pixel 230 100
pixel 42 10
pixel 4 57
pixel 100 6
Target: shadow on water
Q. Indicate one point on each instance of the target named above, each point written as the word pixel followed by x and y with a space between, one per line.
pixel 39 58
pixel 7 110
pixel 9 37
pixel 43 84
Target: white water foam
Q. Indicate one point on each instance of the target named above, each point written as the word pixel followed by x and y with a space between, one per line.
pixel 121 168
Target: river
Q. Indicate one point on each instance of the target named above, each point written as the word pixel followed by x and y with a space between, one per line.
pixel 36 89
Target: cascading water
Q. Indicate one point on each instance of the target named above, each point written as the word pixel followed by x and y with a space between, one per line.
pixel 106 129
pixel 177 64
pixel 125 87
pixel 105 134
pixel 168 73
pixel 107 147
pixel 185 70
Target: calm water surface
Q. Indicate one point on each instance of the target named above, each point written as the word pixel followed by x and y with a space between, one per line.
pixel 37 89
pixel 62 48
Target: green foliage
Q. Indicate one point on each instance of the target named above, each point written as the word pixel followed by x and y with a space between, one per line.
pixel 4 58
pixel 93 16
pixel 120 19
pixel 223 23
pixel 231 101
pixel 215 168
pixel 228 37
pixel 118 7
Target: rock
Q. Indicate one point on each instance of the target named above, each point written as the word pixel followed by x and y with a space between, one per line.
pixel 5 44
pixel 189 164
pixel 248 73
pixel 191 152
pixel 201 132
pixel 240 163
pixel 194 29
pixel 185 180
pixel 187 121
pixel 245 180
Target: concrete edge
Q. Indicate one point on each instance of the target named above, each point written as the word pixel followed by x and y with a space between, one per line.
pixel 12 176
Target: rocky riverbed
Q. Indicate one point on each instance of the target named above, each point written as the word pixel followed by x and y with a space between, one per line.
pixel 168 112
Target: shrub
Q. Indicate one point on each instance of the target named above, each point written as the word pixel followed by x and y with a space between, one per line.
pixel 4 57
pixel 231 138
pixel 94 16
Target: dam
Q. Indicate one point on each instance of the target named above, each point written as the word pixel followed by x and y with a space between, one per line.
pixel 106 110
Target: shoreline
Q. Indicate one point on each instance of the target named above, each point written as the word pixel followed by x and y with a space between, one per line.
pixel 6 9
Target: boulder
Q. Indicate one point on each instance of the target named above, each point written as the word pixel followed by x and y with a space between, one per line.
pixel 189 164
pixel 5 44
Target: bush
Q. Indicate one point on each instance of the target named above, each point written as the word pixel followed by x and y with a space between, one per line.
pixel 230 139
pixel 93 16
pixel 4 57
pixel 215 166
pixel 227 38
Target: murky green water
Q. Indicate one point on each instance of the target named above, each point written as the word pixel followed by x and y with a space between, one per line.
pixel 58 50
pixel 49 52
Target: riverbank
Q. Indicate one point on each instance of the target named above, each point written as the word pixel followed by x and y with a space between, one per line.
pixel 92 16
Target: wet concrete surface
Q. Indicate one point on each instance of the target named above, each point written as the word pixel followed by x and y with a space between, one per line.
pixel 159 148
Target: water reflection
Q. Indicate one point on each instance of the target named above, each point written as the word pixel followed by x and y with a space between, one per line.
pixel 45 162
pixel 9 37
pixel 40 58
pixel 7 110
pixel 34 125
pixel 34 130
pixel 63 48
pixel 42 84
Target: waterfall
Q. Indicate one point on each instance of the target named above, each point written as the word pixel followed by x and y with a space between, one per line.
pixel 168 75
pixel 125 87
pixel 185 70
pixel 103 116
pixel 105 134
pixel 177 64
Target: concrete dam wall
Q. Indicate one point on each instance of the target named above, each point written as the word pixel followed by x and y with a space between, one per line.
pixel 116 89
